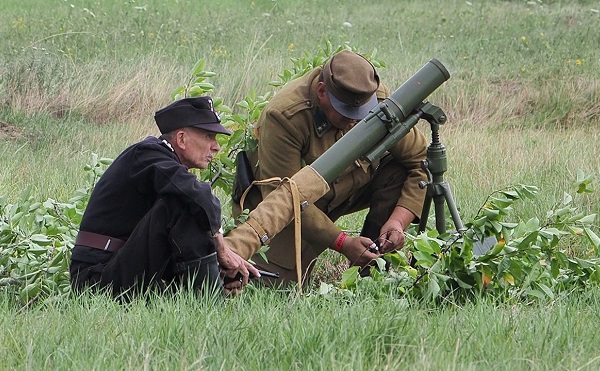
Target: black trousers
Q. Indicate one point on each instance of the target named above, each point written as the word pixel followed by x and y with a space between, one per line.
pixel 168 247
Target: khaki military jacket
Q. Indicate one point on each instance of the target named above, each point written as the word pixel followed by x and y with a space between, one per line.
pixel 291 134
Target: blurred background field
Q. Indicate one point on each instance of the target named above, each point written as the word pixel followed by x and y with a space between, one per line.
pixel 78 77
pixel 523 104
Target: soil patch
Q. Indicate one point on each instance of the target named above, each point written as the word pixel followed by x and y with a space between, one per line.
pixel 8 131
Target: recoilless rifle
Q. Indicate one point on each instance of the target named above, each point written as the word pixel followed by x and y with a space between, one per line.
pixel 387 124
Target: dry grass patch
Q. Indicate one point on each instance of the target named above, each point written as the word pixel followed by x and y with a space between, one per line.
pixel 8 131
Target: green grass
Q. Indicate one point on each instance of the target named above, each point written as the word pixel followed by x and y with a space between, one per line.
pixel 515 66
pixel 272 330
pixel 82 77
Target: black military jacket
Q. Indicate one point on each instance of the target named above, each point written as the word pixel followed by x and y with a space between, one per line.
pixel 139 176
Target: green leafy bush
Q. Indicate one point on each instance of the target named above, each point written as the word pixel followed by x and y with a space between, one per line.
pixel 36 239
pixel 530 259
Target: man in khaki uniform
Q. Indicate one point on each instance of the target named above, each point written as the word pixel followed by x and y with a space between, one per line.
pixel 303 120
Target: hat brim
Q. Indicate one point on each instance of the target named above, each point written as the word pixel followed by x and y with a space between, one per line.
pixel 350 111
pixel 214 127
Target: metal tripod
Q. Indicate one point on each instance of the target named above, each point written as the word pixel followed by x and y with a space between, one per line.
pixel 438 190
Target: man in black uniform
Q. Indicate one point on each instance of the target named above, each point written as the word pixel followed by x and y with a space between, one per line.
pixel 150 222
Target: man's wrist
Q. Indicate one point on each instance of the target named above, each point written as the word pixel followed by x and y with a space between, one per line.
pixel 339 241
pixel 219 232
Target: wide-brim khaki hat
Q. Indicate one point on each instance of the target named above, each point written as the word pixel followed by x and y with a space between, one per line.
pixel 351 82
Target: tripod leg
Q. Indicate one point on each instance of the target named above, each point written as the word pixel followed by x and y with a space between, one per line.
pixel 425 212
pixel 452 207
pixel 440 220
pixel 441 195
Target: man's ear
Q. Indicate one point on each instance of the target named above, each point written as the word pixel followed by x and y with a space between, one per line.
pixel 180 138
pixel 321 90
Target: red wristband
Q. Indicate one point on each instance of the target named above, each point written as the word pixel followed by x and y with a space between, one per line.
pixel 340 241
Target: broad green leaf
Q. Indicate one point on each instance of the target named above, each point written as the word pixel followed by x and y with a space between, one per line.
pixel 462 283
pixel 349 277
pixel 502 203
pixel 380 264
pixel 592 237
pixel 424 246
pixel 198 67
pixel 41 239
pixel 37 251
pixel 424 259
pixel 495 250
pixel 574 230
pixel 567 199
pixel 585 263
pixel 15 218
pixel 535 293
pixel 30 291
pixel 509 278
pixel 491 213
pixel 532 224
pixel 528 240
pixel 496 226
pixel 433 287
pixel 580 177
pixel 503 266
pixel 106 161
pixel 555 267
pixel 479 222
pixel 412 272
pixel 325 288
pixel 588 219
pixel 247 104
pixel 546 290
pixel 25 194
pixel 561 212
pixel 530 192
pixel 442 277
pixel 595 276
pixel 34 206
pixel 549 233
pixel 205 86
pixel 196 91
pixel 512 194
pixel 394 258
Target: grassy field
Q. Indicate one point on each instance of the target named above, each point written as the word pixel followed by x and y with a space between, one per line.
pixel 523 105
pixel 270 330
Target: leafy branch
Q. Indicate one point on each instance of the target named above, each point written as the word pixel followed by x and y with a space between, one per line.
pixel 37 238
pixel 530 259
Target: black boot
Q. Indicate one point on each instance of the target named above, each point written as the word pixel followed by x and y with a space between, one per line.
pixel 201 274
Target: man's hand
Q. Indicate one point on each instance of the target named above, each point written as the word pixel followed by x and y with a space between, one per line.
pixel 231 264
pixel 356 249
pixel 391 236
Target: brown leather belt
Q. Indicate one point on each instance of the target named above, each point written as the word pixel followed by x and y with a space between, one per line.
pixel 99 241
